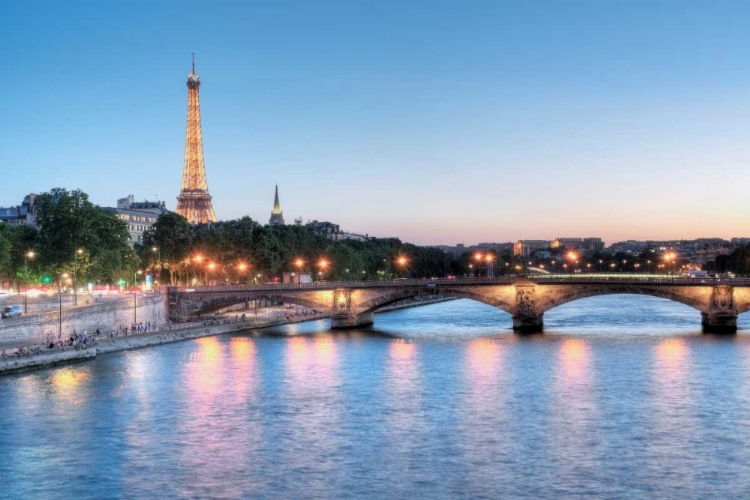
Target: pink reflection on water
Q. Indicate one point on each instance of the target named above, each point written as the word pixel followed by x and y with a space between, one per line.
pixel 313 402
pixel 671 370
pixel 574 366
pixel 219 387
pixel 483 360
pixel 670 412
pixel 403 400
pixel 575 409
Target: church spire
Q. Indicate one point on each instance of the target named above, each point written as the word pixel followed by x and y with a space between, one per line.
pixel 277 216
pixel 276 205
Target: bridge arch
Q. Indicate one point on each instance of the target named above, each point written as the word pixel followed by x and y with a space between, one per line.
pixel 621 289
pixel 373 305
pixel 209 305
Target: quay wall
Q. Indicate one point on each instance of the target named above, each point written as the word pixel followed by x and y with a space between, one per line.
pixel 106 316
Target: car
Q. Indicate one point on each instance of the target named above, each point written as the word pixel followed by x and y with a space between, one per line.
pixel 10 312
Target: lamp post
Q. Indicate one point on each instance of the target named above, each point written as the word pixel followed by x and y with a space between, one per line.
pixel 198 258
pixel 323 265
pixel 241 267
pixel 30 255
pixel 211 266
pixel 402 261
pixel 490 265
pixel 59 293
pixel 75 275
pixel 573 259
pixel 157 250
pixel 135 296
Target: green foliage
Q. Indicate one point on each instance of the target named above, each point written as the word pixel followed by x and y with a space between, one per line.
pixel 244 251
pixel 737 262
pixel 5 254
pixel 76 236
pixel 167 244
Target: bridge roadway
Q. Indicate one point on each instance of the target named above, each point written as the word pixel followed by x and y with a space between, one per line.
pixel 525 298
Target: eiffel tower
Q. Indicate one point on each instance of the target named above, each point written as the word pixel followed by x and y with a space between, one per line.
pixel 194 202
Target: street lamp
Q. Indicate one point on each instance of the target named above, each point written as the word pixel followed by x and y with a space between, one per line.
pixel 75 275
pixel 242 267
pixel 402 261
pixel 573 258
pixel 135 295
pixel 28 255
pixel 59 292
pixel 157 250
pixel 198 258
pixel 490 266
pixel 211 266
pixel 323 265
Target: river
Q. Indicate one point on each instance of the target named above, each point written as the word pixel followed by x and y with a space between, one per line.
pixel 622 397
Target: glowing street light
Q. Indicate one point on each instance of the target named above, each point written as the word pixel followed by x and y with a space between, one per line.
pixel 28 255
pixel 323 265
pixel 573 258
pixel 135 295
pixel 402 262
pixel 78 252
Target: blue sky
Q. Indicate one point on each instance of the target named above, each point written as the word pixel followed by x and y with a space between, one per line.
pixel 436 122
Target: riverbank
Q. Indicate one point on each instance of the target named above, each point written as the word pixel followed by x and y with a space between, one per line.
pixel 52 358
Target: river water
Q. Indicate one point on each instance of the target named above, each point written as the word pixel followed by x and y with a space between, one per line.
pixel 622 397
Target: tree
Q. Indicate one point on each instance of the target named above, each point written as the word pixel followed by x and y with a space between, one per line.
pixel 172 236
pixel 77 236
pixel 5 268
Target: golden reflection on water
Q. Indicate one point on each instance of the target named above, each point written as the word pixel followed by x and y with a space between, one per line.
pixel 313 404
pixel 483 360
pixel 671 358
pixel 67 383
pixel 575 411
pixel 671 418
pixel 484 420
pixel 403 398
pixel 574 362
pixel 671 371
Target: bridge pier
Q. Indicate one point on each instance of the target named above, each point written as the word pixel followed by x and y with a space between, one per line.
pixel 528 324
pixel 719 323
pixel 344 321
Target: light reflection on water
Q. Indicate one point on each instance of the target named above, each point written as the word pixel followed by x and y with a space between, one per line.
pixel 620 398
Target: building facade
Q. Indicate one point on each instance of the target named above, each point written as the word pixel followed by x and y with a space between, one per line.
pixel 138 215
pixel 525 248
pixel 20 215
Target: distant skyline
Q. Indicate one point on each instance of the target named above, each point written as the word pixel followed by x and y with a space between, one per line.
pixel 434 122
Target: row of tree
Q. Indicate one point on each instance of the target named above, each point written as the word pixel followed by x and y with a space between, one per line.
pixel 243 251
pixel 737 262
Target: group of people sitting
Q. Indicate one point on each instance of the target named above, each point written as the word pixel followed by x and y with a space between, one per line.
pixel 21 351
pixel 76 341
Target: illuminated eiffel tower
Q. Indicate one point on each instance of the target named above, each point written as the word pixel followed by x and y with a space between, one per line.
pixel 194 202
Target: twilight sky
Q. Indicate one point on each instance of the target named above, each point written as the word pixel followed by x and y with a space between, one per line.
pixel 436 122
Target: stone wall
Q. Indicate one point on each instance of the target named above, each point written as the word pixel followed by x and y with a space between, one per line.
pixel 106 316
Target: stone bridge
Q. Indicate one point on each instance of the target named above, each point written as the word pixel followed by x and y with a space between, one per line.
pixel 354 303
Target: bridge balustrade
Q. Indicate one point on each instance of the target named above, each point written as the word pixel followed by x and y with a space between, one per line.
pixel 412 282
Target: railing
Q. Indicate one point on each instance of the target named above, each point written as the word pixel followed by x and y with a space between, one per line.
pixel 408 282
